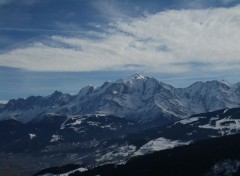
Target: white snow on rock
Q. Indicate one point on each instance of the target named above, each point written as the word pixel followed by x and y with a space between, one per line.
pixel 31 135
pixel 190 120
pixel 159 144
pixel 77 122
pixel 225 111
pixel 67 173
pixel 225 126
pixel 115 92
pixel 93 123
pixel 55 138
pixel 114 153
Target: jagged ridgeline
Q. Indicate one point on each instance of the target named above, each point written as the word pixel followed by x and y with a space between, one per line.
pixel 136 97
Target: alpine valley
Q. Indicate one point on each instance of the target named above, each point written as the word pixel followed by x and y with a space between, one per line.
pixel 112 129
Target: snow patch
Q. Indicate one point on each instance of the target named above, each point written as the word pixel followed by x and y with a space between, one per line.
pixel 55 138
pixel 225 111
pixel 115 92
pixel 190 120
pixel 31 135
pixel 115 153
pixel 52 114
pixel 77 122
pixel 159 144
pixel 93 123
pixel 109 127
pixel 67 173
pixel 214 118
pixel 225 126
pixel 71 122
pixel 138 76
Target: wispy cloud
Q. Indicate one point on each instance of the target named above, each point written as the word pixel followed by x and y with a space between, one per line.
pixel 111 9
pixel 4 2
pixel 41 30
pixel 169 42
pixel 226 1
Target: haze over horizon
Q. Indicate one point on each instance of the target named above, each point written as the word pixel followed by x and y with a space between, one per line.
pixel 66 45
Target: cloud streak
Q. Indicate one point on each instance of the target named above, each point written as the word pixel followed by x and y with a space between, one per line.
pixel 167 42
pixel 5 2
pixel 39 30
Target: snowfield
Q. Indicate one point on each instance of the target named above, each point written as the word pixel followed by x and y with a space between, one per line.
pixel 157 145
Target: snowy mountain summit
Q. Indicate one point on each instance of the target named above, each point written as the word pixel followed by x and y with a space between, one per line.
pixel 137 76
pixel 136 97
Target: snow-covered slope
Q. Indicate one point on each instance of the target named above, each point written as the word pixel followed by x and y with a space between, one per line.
pixel 212 95
pixel 198 127
pixel 136 97
pixel 218 123
pixel 157 145
pixel 25 110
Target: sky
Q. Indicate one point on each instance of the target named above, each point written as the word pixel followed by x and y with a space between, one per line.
pixel 48 45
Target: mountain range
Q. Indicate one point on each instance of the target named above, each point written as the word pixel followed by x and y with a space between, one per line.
pixel 113 123
pixel 136 97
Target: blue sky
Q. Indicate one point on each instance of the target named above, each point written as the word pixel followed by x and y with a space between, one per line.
pixel 48 45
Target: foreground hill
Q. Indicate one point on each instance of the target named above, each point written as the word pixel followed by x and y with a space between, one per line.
pixel 213 157
pixel 111 143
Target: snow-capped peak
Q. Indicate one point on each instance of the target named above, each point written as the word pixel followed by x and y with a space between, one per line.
pixel 137 76
pixel 221 82
pixel 225 82
pixel 132 78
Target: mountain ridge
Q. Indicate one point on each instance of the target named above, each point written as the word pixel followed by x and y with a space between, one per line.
pixel 136 97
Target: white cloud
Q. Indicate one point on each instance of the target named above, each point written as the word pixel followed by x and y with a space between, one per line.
pixel 173 41
pixel 110 9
